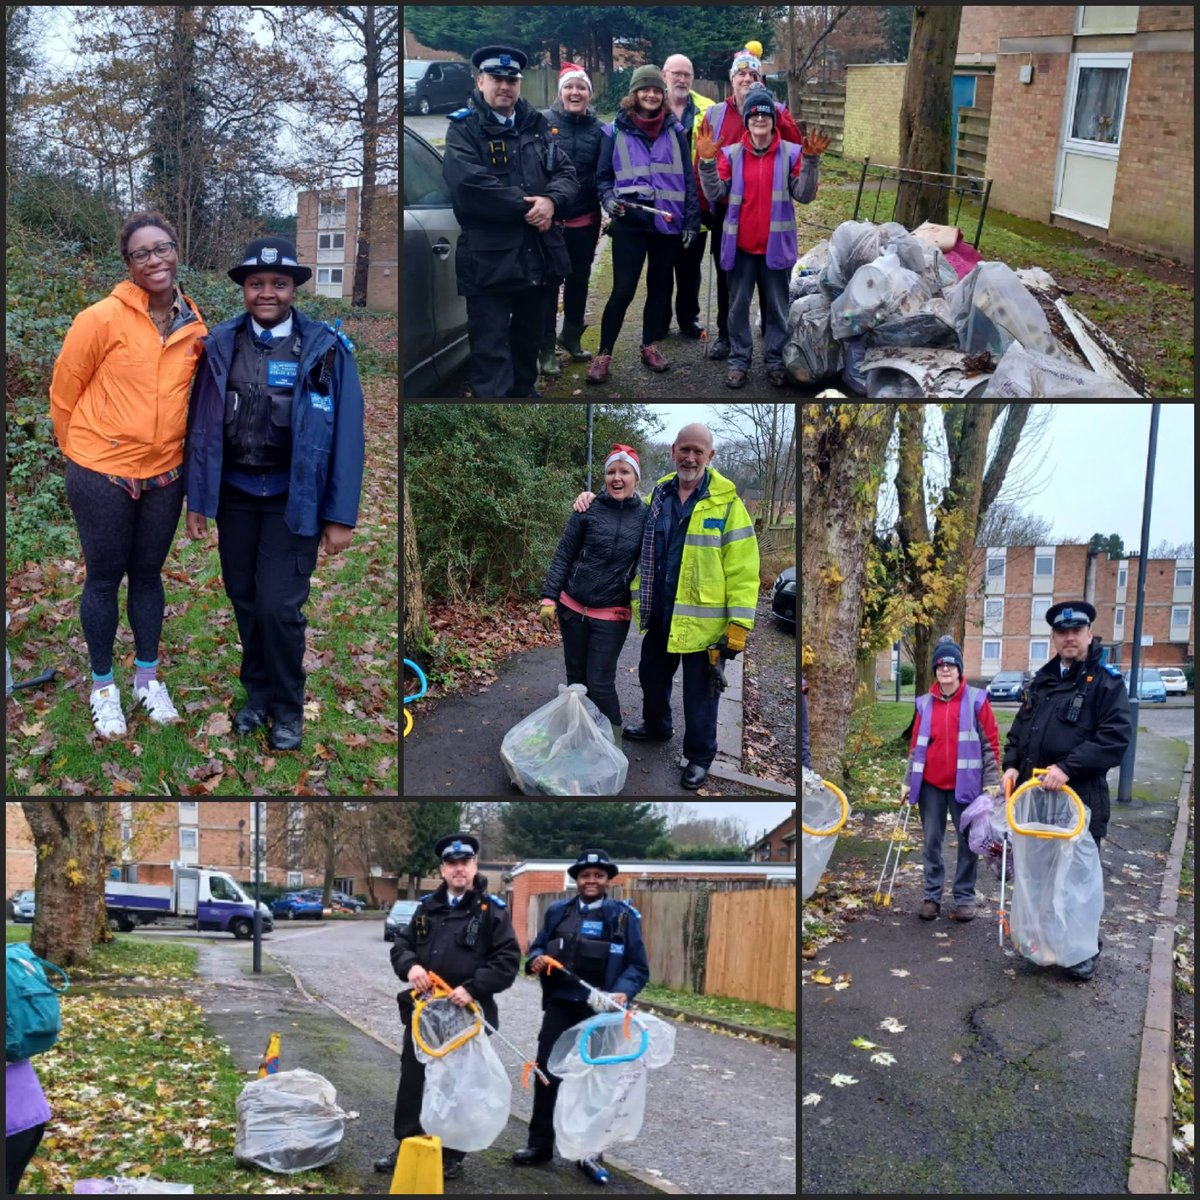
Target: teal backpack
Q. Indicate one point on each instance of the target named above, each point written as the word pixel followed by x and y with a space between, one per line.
pixel 32 1017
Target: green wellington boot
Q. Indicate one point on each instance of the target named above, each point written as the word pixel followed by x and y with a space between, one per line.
pixel 569 341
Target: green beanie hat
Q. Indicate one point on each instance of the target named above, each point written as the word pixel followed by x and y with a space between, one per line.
pixel 648 76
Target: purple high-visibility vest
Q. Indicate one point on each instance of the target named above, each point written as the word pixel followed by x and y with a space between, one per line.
pixel 781 236
pixel 968 779
pixel 716 116
pixel 651 174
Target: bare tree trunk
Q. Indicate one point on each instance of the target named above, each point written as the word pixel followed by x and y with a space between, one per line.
pixel 842 452
pixel 414 596
pixel 926 111
pixel 69 836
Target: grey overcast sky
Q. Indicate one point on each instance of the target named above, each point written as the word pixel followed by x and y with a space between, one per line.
pixel 758 816
pixel 1082 469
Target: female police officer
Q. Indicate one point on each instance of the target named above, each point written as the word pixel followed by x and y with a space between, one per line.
pixel 466 936
pixel 275 452
pixel 600 940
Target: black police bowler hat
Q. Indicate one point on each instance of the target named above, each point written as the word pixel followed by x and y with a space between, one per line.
pixel 1070 614
pixel 270 254
pixel 500 60
pixel 457 845
pixel 593 858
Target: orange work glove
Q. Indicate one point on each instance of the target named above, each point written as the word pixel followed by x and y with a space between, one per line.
pixel 706 148
pixel 815 142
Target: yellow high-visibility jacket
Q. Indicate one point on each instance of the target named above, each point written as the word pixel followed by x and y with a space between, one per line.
pixel 718 576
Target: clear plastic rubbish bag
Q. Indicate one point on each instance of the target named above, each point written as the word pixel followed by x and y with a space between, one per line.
pixel 991 308
pixel 467 1096
pixel 565 748
pixel 1022 372
pixel 125 1185
pixel 288 1122
pixel 1058 893
pixel 603 1096
pixel 811 352
pixel 877 292
pixel 823 815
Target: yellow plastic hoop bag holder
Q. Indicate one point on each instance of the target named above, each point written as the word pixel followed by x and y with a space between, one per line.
pixel 1058 886
pixel 824 813
pixel 447 1025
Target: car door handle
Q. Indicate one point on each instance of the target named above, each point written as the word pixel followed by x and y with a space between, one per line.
pixel 441 248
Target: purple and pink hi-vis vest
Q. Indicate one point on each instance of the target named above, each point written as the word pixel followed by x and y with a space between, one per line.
pixel 968 779
pixel 656 170
pixel 781 236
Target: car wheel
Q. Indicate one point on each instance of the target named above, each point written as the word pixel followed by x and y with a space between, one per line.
pixel 423 106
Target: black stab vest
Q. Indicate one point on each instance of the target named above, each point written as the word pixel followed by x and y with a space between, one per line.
pixel 258 403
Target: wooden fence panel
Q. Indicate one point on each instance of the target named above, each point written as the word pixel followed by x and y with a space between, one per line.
pixel 752 946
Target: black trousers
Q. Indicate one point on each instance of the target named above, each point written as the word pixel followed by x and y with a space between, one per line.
pixel 505 332
pixel 656 671
pixel 406 1122
pixel 19 1148
pixel 556 1020
pixel 268 572
pixel 629 252
pixel 591 648
pixel 687 281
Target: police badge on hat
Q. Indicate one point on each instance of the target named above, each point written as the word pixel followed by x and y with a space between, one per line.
pixel 270 253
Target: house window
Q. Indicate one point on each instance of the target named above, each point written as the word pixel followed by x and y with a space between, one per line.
pixel 329 274
pixel 333 206
pixel 1039 653
pixel 991 654
pixel 1119 624
pixel 188 840
pixel 993 610
pixel 1043 565
pixel 995 568
pixel 1122 577
pixel 1179 623
pixel 331 241
pixel 1183 577
pixel 1099 104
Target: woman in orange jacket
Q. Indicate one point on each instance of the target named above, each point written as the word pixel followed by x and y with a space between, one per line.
pixel 118 401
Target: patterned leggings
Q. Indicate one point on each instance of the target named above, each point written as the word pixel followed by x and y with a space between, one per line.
pixel 122 536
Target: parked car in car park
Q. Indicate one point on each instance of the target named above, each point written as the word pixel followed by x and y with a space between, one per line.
pixel 336 899
pixel 293 905
pixel 1007 685
pixel 441 84
pixel 435 315
pixel 24 906
pixel 1150 686
pixel 399 916
pixel 1174 680
pixel 783 595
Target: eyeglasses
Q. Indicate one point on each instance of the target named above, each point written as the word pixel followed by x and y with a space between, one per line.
pixel 162 250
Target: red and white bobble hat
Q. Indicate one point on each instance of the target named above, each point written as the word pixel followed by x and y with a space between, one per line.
pixel 570 71
pixel 626 454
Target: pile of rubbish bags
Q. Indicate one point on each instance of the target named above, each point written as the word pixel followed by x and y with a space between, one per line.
pixel 900 314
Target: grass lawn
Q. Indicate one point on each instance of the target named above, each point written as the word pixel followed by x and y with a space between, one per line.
pixel 351 717
pixel 137 1084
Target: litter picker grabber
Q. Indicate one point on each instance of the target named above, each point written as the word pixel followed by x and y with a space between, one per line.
pixel 608 1001
pixel 529 1065
pixel 1002 912
pixel 898 842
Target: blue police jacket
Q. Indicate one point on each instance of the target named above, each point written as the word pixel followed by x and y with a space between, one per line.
pixel 628 969
pixel 327 429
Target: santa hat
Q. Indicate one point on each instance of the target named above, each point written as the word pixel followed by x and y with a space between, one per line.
pixel 627 454
pixel 573 71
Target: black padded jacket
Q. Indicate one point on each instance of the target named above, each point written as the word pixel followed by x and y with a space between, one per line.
pixel 598 553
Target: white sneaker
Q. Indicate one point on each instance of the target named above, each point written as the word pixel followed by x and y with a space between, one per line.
pixel 154 699
pixel 107 717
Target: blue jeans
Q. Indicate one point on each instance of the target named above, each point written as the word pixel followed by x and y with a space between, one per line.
pixel 933 803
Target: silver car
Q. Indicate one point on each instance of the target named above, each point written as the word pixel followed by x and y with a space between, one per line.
pixel 435 315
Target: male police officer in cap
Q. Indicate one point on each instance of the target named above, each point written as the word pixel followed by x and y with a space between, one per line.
pixel 464 935
pixel 1074 721
pixel 508 181
pixel 600 940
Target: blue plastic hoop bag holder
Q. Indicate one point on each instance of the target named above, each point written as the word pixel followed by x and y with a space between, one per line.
pixel 603 1101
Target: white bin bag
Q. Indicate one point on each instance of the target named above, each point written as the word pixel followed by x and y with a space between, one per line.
pixel 825 812
pixel 1058 888
pixel 288 1122
pixel 603 1095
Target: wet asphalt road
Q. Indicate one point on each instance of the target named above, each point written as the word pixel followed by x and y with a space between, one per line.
pixel 720 1117
pixel 454 748
pixel 1009 1077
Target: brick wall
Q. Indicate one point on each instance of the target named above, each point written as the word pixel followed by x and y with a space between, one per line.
pixel 20 857
pixel 874 94
pixel 1018 628
pixel 980 29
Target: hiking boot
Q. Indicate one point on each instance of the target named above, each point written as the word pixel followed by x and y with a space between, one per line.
pixel 929 910
pixel 735 378
pixel 653 358
pixel 777 377
pixel 598 371
pixel 963 912
pixel 1084 970
pixel 569 341
pixel 548 360
pixel 720 348
pixel 107 717
pixel 248 719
